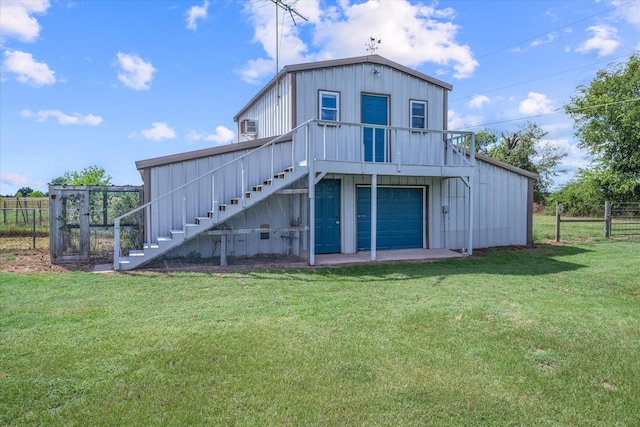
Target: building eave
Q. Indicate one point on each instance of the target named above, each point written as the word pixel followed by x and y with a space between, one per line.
pixel 506 166
pixel 198 154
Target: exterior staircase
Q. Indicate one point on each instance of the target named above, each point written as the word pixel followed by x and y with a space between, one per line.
pixel 208 220
pixel 314 147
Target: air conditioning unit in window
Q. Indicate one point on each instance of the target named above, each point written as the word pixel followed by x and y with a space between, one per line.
pixel 249 127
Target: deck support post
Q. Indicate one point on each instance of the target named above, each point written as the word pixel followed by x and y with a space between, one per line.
pixel 374 215
pixel 312 204
pixel 470 244
pixel 223 250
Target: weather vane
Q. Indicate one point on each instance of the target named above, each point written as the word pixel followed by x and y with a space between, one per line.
pixel 373 44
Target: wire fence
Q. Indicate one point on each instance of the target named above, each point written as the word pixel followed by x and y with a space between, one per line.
pixel 623 219
pixel 619 219
pixel 24 222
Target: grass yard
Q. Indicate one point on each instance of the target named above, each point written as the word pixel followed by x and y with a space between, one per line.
pixel 544 336
pixel 544 229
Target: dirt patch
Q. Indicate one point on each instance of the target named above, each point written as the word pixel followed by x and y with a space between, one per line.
pixel 27 261
pixel 35 261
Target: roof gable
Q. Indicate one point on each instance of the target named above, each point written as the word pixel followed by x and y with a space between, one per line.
pixel 334 63
pixel 369 59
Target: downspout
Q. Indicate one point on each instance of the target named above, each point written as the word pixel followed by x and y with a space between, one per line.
pixel 146 197
pixel 530 212
pixel 445 110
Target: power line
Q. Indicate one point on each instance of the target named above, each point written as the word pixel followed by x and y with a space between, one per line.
pixel 545 33
pixel 551 114
pixel 540 78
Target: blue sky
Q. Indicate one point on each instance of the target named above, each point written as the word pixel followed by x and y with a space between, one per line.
pixel 108 82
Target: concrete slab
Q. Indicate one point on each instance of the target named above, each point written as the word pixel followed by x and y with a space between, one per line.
pixel 102 268
pixel 395 255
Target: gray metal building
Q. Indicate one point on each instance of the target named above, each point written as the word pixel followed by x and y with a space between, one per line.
pixel 335 157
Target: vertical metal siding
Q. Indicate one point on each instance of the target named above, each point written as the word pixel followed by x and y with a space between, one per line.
pixel 273 113
pixel 500 208
pixel 353 80
pixel 165 178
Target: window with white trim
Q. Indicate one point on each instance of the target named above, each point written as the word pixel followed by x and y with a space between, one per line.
pixel 418 114
pixel 329 105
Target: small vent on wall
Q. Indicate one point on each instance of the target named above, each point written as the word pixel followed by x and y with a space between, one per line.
pixel 249 128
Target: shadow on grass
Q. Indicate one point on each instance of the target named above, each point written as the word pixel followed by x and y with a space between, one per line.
pixel 522 261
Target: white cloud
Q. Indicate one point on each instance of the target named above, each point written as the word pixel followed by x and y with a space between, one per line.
pixel 478 100
pixel 535 104
pixel 630 12
pixel 577 158
pixel 12 178
pixel 415 34
pixel 604 40
pixel 457 122
pixel 195 14
pixel 158 131
pixel 63 119
pixel 16 19
pixel 551 15
pixel 135 73
pixel 550 37
pixel 223 135
pixel 28 70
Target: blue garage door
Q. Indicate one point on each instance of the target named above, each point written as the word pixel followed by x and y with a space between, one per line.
pixel 400 218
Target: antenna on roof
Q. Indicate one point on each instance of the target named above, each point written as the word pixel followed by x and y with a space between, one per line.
pixel 280 4
pixel 373 44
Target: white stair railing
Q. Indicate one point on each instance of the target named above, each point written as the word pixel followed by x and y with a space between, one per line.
pixel 210 175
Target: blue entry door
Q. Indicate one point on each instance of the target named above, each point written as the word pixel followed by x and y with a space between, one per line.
pixel 327 216
pixel 375 111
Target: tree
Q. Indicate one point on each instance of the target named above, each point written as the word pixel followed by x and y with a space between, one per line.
pixel 524 149
pixel 24 192
pixel 582 196
pixel 484 140
pixel 606 118
pixel 92 175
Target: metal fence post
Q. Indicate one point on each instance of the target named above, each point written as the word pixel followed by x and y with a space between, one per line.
pixel 557 221
pixel 34 229
pixel 607 219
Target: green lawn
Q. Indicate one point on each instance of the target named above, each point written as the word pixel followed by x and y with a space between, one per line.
pixel 544 336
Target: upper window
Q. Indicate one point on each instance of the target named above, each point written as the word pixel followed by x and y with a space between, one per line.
pixel 329 106
pixel 419 114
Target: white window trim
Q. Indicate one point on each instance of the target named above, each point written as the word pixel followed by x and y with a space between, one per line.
pixel 426 106
pixel 320 108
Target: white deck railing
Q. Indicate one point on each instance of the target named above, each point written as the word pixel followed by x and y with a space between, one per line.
pixel 357 142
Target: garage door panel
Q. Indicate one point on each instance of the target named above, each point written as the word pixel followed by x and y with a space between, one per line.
pixel 400 223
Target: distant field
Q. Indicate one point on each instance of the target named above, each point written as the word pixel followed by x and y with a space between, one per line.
pixel 544 229
pixel 541 336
